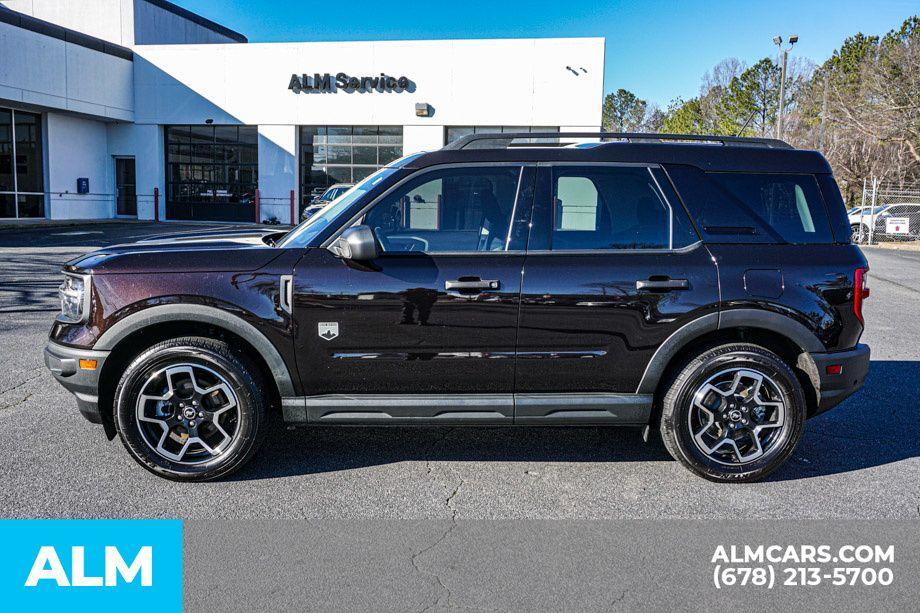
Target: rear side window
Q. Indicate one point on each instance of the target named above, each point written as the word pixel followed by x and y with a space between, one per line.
pixel 608 207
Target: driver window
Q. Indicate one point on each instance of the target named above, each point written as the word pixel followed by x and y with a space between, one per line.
pixel 448 210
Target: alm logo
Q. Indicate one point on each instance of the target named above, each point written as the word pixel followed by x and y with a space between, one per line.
pixel 91 565
pixel 48 567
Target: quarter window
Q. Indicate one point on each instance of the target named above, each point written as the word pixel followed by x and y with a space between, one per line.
pixel 448 210
pixel 789 205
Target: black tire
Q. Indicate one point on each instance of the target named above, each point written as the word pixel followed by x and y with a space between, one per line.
pixel 206 357
pixel 678 412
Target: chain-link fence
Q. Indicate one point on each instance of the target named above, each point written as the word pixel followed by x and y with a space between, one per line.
pixel 886 213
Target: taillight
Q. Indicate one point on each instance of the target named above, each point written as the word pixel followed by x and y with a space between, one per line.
pixel 860 291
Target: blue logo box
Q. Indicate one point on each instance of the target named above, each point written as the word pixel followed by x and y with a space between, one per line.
pixel 91 565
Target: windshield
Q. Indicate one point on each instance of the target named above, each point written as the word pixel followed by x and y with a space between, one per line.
pixel 331 193
pixel 309 229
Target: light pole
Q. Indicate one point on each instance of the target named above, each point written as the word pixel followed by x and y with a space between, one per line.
pixel 778 41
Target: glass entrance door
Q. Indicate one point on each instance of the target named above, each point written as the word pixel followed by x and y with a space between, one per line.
pixel 21 180
pixel 125 188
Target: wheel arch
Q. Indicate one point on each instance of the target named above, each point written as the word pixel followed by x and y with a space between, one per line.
pixel 781 334
pixel 126 338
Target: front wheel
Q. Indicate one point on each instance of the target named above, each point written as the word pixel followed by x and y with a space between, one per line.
pixel 734 413
pixel 191 409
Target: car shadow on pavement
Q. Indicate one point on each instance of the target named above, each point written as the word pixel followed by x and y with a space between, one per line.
pixel 328 448
pixel 876 426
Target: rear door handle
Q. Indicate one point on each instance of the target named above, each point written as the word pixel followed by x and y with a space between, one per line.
pixel 471 284
pixel 663 284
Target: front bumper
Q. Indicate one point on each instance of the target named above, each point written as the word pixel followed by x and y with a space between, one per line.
pixel 82 382
pixel 834 389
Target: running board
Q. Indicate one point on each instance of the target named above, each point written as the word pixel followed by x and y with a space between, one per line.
pixel 594 408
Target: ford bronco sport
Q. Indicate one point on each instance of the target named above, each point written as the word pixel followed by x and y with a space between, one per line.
pixel 703 287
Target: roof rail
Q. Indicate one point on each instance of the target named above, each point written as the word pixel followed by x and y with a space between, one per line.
pixel 505 139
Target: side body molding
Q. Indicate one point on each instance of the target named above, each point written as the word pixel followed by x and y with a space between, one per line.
pixel 732 318
pixel 203 314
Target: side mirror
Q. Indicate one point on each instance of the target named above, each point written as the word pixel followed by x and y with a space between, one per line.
pixel 357 243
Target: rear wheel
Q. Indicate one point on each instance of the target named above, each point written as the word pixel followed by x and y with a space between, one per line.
pixel 191 409
pixel 734 413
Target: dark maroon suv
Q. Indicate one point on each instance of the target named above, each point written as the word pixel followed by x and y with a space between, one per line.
pixel 703 287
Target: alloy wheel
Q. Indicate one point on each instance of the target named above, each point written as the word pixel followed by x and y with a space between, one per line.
pixel 187 413
pixel 738 415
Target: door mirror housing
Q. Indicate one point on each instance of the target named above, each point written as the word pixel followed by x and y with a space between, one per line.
pixel 357 243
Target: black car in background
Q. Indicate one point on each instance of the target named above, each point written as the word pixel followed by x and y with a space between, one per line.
pixel 704 288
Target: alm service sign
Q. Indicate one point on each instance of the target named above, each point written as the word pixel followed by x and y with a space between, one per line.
pixel 327 83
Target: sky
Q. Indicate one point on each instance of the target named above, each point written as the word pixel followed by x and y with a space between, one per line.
pixel 658 50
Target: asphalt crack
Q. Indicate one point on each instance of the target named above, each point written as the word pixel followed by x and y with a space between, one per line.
pixel 442 587
pixel 619 598
pixel 431 448
pixel 7 405
pixel 21 383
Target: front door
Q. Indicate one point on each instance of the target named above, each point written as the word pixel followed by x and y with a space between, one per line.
pixel 613 268
pixel 427 330
pixel 125 188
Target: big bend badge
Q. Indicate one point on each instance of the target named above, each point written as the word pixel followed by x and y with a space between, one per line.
pixel 328 330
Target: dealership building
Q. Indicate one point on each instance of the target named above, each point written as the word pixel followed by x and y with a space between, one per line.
pixel 140 108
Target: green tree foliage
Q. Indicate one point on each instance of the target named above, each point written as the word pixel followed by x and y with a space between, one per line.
pixel 685 117
pixel 749 107
pixel 623 111
pixel 861 107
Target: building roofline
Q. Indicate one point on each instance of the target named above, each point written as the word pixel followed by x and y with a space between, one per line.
pixel 198 19
pixel 32 24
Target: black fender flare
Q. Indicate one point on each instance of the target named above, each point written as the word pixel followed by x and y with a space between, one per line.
pixel 200 313
pixel 804 338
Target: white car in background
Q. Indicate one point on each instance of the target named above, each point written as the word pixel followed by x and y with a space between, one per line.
pixel 861 219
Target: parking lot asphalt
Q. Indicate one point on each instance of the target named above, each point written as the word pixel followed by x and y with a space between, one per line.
pixel 861 460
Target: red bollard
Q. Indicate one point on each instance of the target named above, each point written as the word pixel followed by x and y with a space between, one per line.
pixel 258 215
pixel 156 204
pixel 293 214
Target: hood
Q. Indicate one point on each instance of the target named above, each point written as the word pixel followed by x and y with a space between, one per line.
pixel 238 250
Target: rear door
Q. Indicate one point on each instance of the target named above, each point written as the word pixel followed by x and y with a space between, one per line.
pixel 427 330
pixel 613 268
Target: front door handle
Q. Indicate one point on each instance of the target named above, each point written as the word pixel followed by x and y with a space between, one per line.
pixel 471 284
pixel 663 283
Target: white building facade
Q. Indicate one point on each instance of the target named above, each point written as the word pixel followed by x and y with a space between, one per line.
pixel 138 108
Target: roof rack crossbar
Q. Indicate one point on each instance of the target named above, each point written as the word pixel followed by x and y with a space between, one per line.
pixel 506 138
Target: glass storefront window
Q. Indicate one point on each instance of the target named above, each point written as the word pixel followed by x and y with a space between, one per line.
pixel 344 154
pixel 21 178
pixel 212 172
pixel 452 133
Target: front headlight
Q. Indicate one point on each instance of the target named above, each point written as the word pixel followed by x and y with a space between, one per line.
pixel 74 292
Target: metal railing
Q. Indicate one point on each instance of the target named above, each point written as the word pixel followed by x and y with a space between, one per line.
pixel 99 205
pixel 887 213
